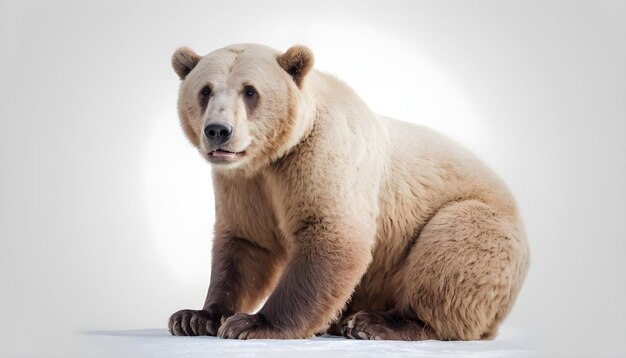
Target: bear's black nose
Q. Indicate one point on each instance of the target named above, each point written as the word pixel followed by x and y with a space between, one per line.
pixel 218 133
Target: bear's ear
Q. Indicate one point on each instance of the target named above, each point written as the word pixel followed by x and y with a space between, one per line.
pixel 297 61
pixel 184 60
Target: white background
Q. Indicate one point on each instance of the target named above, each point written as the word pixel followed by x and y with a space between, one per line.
pixel 106 211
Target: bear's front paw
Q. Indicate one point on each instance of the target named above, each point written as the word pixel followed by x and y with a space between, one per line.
pixel 195 323
pixel 245 326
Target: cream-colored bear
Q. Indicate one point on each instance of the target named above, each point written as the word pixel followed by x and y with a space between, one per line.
pixel 351 223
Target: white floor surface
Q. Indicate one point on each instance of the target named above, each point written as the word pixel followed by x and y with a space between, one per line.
pixel 158 343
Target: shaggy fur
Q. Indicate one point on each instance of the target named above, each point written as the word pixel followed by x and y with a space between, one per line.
pixel 352 222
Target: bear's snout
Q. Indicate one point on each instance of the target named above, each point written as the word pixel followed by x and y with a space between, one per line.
pixel 218 133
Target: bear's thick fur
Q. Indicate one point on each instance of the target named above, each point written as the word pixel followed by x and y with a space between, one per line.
pixel 351 223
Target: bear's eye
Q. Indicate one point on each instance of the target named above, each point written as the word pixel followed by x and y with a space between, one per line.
pixel 250 97
pixel 249 91
pixel 206 91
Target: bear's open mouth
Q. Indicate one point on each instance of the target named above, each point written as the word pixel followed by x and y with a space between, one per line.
pixel 221 153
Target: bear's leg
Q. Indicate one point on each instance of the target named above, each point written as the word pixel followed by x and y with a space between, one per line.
pixel 459 279
pixel 242 274
pixel 319 278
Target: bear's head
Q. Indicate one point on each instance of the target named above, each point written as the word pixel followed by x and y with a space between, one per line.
pixel 244 106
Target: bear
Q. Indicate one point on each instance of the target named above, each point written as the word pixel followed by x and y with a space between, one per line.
pixel 344 221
